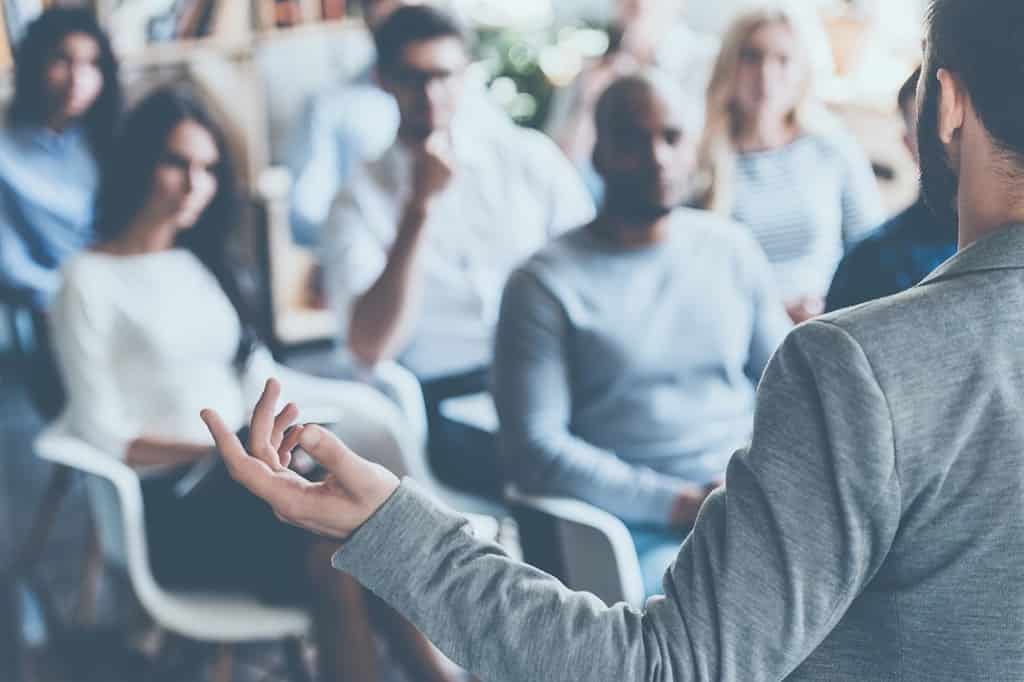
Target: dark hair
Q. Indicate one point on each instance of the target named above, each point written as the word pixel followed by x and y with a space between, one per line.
pixel 412 24
pixel 983 43
pixel 908 93
pixel 42 38
pixel 128 179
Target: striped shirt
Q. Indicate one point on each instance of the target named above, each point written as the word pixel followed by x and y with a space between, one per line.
pixel 806 204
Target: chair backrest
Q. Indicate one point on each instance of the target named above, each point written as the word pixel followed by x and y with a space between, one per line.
pixel 393 406
pixel 115 500
pixel 597 553
pixel 595 562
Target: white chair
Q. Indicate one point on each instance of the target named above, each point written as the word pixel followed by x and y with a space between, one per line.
pixel 597 551
pixel 410 459
pixel 398 403
pixel 115 497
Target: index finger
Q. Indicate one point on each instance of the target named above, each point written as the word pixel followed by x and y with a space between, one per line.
pixel 249 471
pixel 263 415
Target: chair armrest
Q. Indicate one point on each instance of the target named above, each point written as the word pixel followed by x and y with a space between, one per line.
pixel 476 410
pixel 119 518
pixel 403 388
pixel 572 510
pixel 614 532
pixel 61 448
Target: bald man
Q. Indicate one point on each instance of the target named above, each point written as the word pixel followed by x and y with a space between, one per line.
pixel 646 33
pixel 640 424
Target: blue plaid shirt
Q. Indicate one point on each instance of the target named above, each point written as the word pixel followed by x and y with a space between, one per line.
pixel 893 258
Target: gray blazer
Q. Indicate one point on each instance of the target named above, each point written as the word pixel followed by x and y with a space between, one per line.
pixel 873 530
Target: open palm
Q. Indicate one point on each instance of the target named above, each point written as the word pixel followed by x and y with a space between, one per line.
pixel 335 507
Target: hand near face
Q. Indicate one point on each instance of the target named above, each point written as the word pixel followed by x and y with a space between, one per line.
pixel 597 79
pixel 352 492
pixel 433 167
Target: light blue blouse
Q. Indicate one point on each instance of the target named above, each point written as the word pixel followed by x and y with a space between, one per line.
pixel 48 186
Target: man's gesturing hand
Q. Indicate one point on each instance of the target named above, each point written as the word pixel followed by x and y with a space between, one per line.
pixel 353 490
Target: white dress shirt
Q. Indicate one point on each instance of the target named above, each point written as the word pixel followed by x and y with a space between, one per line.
pixel 346 127
pixel 511 193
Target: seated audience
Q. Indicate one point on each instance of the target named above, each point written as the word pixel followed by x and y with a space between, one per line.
pixel 776 162
pixel 67 98
pixel 149 326
pixel 421 241
pixel 628 350
pixel 350 125
pixel 871 531
pixel 901 252
pixel 647 33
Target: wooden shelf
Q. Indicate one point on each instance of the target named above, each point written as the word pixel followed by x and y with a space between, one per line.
pixel 183 50
pixel 312 28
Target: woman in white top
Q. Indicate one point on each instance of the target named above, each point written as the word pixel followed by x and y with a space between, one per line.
pixel 774 160
pixel 150 327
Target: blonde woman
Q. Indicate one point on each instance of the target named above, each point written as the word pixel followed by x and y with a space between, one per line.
pixel 774 160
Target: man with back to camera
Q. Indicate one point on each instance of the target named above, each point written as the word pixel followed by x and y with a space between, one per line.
pixel 638 423
pixel 873 528
pixel 420 242
pixel 903 251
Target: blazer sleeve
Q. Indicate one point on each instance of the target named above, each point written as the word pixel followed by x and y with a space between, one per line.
pixel 815 501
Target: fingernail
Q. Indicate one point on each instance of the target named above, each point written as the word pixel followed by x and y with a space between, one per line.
pixel 310 437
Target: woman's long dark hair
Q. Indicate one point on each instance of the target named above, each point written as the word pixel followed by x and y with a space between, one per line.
pixel 30 105
pixel 128 179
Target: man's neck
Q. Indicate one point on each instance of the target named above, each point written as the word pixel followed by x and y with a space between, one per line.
pixel 415 139
pixel 977 225
pixel 628 233
pixel 988 206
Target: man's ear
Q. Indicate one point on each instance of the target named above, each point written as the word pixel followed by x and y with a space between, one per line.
pixel 952 105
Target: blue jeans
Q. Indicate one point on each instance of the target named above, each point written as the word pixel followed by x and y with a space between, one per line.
pixel 656 547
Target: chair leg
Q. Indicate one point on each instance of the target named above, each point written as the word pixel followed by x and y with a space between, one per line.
pixel 89 587
pixel 12 666
pixel 11 315
pixel 224 665
pixel 298 671
pixel 56 491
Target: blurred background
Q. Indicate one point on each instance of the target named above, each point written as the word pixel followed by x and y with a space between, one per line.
pixel 260 62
